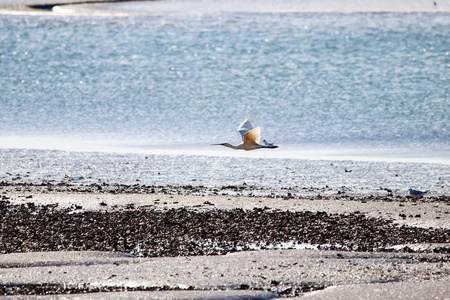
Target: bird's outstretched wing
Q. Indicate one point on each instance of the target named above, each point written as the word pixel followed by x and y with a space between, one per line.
pixel 416 192
pixel 245 127
pixel 253 136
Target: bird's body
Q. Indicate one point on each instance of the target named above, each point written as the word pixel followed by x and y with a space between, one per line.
pixel 251 137
pixel 416 194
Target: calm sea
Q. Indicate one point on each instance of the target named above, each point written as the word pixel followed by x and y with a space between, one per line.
pixel 323 86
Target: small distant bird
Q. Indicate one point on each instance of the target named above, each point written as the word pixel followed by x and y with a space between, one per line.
pixel 250 138
pixel 416 194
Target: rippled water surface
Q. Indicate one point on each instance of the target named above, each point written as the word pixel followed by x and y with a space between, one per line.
pixel 314 82
pixel 306 78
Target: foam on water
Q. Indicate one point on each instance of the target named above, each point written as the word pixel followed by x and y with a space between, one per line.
pixel 285 151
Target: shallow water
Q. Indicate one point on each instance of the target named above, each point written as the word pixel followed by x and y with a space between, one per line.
pixel 323 86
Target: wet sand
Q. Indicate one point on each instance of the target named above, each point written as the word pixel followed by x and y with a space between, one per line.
pixel 85 240
pixel 256 274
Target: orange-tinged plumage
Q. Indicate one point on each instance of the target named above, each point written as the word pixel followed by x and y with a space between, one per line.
pixel 251 137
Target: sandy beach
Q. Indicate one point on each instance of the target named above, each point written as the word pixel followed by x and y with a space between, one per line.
pixel 102 241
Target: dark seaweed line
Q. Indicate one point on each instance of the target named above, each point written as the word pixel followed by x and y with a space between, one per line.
pixel 175 232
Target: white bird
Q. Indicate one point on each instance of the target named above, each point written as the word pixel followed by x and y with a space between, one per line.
pixel 416 194
pixel 250 138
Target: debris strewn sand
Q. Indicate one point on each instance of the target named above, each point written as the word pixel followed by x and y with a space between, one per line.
pixel 120 225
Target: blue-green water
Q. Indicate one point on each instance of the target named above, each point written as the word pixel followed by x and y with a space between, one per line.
pixel 314 82
pixel 305 78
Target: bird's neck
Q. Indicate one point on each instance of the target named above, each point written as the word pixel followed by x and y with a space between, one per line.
pixel 230 146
